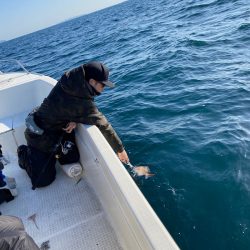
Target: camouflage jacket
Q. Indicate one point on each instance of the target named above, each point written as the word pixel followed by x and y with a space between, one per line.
pixel 71 100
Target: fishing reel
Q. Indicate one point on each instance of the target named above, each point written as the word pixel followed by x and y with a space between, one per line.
pixel 66 147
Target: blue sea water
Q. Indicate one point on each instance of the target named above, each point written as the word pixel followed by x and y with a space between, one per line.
pixel 181 104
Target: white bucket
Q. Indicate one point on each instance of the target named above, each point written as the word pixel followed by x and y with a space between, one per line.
pixel 72 170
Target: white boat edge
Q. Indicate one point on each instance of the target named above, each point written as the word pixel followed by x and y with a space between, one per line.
pixel 134 221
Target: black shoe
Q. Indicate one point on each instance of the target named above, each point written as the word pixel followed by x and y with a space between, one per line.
pixel 22 156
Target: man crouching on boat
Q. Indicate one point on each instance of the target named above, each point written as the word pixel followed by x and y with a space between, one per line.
pixel 50 127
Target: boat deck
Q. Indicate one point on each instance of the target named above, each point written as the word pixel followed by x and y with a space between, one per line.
pixel 68 215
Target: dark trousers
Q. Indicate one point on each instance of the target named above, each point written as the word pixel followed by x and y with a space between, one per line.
pixel 13 235
pixel 40 166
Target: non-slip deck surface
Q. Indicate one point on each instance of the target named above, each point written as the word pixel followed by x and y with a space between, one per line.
pixel 67 215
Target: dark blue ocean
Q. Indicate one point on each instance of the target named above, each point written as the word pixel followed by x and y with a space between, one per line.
pixel 181 104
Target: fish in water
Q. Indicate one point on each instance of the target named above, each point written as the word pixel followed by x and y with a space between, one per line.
pixel 142 171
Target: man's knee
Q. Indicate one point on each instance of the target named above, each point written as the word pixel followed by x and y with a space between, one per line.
pixel 22 153
pixel 10 224
pixel 13 234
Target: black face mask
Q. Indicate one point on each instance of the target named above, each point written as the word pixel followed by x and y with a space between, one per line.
pixel 92 90
pixel 95 91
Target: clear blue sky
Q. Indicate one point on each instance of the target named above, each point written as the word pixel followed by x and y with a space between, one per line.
pixel 20 17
